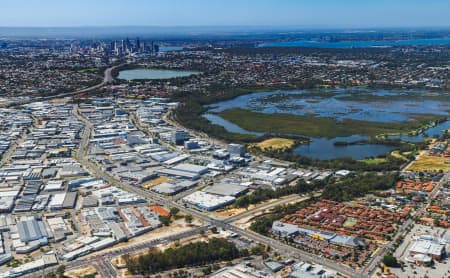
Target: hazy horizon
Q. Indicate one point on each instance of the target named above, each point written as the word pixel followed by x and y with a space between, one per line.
pixel 198 13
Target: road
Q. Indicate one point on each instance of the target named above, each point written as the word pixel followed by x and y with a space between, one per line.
pixel 107 79
pixel 378 256
pixel 102 259
pixel 209 219
pixel 7 155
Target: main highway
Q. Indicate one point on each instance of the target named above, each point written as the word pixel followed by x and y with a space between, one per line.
pixel 107 79
pixel 209 220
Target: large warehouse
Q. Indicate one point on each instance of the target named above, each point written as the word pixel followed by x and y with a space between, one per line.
pixel 31 229
pixel 206 201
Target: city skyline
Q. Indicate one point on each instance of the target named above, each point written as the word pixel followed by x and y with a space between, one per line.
pixel 322 13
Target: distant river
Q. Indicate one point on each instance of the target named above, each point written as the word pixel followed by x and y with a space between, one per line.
pixel 153 74
pixel 357 44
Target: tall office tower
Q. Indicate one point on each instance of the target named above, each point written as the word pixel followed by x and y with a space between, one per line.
pixel 128 45
pixel 138 44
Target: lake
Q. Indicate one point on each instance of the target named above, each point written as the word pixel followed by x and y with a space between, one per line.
pixel 357 44
pixel 324 149
pixel 380 105
pixel 154 74
pixel 355 103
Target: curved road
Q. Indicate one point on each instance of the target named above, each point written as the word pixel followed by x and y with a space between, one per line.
pixel 107 79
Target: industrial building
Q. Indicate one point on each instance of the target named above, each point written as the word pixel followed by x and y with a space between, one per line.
pixel 179 137
pixel 236 150
pixel 206 201
pixel 226 189
pixel 32 229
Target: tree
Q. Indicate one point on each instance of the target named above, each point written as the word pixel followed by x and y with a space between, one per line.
pixel 60 270
pixel 174 211
pixel 390 260
pixel 165 220
pixel 192 254
pixel 188 218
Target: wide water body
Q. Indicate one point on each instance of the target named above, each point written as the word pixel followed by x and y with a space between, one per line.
pixel 380 105
pixel 357 44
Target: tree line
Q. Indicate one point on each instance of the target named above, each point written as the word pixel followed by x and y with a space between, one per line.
pixel 192 254
pixel 264 194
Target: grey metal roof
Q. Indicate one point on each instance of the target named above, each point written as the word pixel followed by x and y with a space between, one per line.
pixel 30 230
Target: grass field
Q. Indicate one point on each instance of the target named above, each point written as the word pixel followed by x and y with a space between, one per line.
pixel 317 126
pixel 430 163
pixel 276 143
pixel 397 154
pixel 374 161
pixel 350 222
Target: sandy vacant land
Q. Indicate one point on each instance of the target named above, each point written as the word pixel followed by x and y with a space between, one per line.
pixel 154 182
pixel 397 154
pixel 430 163
pixel 232 211
pixel 275 143
pixel 81 272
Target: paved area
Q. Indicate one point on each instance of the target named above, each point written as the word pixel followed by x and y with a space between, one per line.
pixel 438 270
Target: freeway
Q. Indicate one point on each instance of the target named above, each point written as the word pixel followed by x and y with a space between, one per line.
pixel 85 134
pixel 107 79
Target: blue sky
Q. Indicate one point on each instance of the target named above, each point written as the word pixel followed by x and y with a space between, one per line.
pixel 306 13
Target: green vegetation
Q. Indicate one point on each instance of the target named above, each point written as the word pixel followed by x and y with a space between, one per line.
pixel 90 70
pixel 358 185
pixel 346 189
pixel 59 273
pixel 390 261
pixel 313 126
pixel 192 254
pixel 188 218
pixel 372 161
pixel 192 107
pixel 392 162
pixel 165 220
pixel 174 211
pixel 355 185
pixel 260 194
